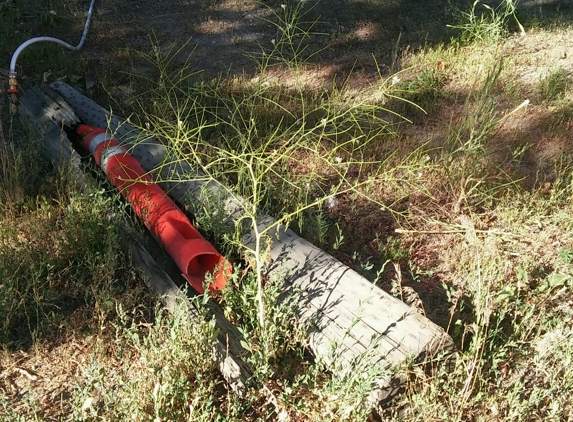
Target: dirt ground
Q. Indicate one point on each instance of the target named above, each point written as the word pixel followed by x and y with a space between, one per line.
pixel 221 34
pixel 218 36
pixel 350 37
pixel 356 38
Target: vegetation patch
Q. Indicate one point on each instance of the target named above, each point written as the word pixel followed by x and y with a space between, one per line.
pixel 442 173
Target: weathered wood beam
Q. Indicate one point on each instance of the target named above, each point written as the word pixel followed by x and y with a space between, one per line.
pixel 46 112
pixel 345 310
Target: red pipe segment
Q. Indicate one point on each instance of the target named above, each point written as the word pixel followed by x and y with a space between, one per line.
pixel 194 255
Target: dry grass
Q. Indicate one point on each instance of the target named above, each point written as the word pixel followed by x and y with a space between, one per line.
pixel 481 197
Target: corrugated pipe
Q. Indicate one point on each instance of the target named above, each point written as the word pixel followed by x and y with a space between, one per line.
pixel 12 82
pixel 194 255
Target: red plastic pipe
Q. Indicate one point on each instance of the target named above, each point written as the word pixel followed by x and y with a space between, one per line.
pixel 194 255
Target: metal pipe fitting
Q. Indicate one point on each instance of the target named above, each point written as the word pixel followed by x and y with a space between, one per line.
pixel 12 84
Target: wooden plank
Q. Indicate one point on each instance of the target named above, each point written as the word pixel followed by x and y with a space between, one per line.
pixel 46 117
pixel 44 110
pixel 343 307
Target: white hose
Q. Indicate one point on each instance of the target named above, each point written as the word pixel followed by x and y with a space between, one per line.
pixel 51 39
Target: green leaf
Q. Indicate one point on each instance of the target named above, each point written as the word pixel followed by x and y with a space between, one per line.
pixel 507 293
pixel 246 345
pixel 566 255
pixel 554 280
pixel 558 280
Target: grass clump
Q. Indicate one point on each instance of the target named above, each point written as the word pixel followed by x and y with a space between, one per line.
pixel 419 93
pixel 55 248
pixel 166 371
pixel 555 85
pixel 509 316
pixel 486 24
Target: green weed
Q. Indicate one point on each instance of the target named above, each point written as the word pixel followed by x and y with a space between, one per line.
pixel 555 85
pixel 280 337
pixel 262 139
pixel 290 47
pixel 170 374
pixel 424 90
pixel 488 25
pixel 466 148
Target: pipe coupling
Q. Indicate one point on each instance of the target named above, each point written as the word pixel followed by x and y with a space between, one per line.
pixel 12 85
